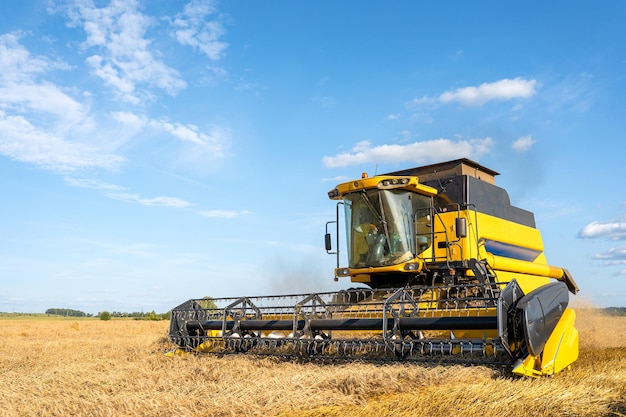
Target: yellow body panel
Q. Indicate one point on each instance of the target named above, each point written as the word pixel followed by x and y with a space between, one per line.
pixel 481 228
pixel 560 351
pixel 374 182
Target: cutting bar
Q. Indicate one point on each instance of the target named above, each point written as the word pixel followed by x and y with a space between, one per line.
pixel 404 323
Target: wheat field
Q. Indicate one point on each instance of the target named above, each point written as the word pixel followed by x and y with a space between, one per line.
pixel 88 367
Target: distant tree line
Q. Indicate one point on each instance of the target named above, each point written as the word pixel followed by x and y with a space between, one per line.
pixel 105 315
pixel 616 311
pixel 67 312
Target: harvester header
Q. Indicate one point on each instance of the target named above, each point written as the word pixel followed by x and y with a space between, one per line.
pixel 445 268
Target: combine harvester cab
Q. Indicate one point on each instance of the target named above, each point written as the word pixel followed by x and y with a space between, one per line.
pixel 450 270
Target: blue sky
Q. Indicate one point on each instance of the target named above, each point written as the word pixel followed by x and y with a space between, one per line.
pixel 152 152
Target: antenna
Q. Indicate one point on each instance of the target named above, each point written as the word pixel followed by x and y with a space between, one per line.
pixel 376 170
pixel 441 184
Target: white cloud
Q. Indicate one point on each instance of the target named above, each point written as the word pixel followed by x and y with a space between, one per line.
pixel 224 214
pixel 18 65
pixel 423 100
pixel 22 141
pixel 129 118
pixel 523 144
pixel 611 230
pixel 117 192
pixel 38 119
pixel 192 28
pixel 187 133
pixel 123 58
pixel 614 230
pixel 417 152
pixel 502 90
pixel 157 201
pixel 203 146
pixel 93 184
pixel 42 98
pixel 23 92
pixel 615 256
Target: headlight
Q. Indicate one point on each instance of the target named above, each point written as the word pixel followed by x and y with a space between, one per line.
pixel 393 182
pixel 411 267
pixel 333 193
pixel 342 272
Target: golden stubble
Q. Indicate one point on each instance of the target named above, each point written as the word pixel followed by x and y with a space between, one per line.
pixel 88 367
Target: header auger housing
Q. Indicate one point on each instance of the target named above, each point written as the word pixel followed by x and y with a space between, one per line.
pixel 453 271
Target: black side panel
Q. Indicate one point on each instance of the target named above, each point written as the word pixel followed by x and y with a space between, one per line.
pixel 541 311
pixel 493 200
pixel 507 329
pixel 452 190
pixel 485 197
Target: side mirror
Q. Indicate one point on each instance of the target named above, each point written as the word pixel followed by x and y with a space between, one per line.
pixel 460 226
pixel 328 242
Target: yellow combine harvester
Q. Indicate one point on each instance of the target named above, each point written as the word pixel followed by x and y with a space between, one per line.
pixel 454 273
